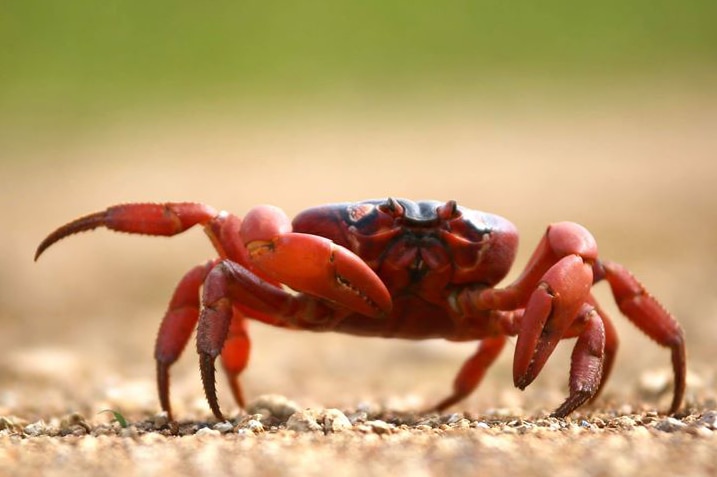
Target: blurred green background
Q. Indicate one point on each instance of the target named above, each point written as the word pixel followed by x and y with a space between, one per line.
pixel 80 61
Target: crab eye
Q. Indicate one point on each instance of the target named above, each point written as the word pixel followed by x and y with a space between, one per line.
pixel 392 207
pixel 448 211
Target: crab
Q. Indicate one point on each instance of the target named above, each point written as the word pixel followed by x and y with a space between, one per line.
pixel 392 268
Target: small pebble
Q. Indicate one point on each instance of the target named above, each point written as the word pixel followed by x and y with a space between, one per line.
pixel 452 418
pixel 35 429
pixel 462 424
pixel 74 424
pixel 160 420
pixel 432 421
pixel 380 427
pixel 335 421
pixel 357 417
pixel 254 426
pixel 670 424
pixel 129 431
pixel 223 427
pixel 709 420
pixel 206 431
pixel 8 424
pixel 624 422
pixel 303 421
pixel 278 406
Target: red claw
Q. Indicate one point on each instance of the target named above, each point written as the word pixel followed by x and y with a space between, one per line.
pixel 317 266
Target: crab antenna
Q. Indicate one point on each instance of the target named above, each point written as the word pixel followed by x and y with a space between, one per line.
pixel 83 224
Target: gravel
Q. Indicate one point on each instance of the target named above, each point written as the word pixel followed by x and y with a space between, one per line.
pixel 314 441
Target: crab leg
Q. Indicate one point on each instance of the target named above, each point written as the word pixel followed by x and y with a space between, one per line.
pixel 235 354
pixel 473 371
pixel 178 325
pixel 552 289
pixel 148 219
pixel 552 308
pixel 176 328
pixel 651 317
pixel 611 345
pixel 229 283
pixel 587 361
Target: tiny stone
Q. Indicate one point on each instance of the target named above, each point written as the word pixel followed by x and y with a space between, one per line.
pixel 279 406
pixel 357 417
pixel 188 430
pixel 670 424
pixel 380 427
pixel 708 420
pixel 129 431
pixel 433 421
pixel 303 421
pixel 452 418
pixel 206 431
pixel 223 427
pixel 462 424
pixel 35 429
pixel 624 422
pixel 254 426
pixel 70 424
pixel 6 423
pixel 160 420
pixel 700 431
pixel 335 421
pixel 480 425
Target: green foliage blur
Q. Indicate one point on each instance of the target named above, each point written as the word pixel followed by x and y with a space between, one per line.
pixel 69 56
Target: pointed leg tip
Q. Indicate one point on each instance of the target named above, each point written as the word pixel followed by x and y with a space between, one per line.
pixel 206 365
pixel 574 401
pixel 524 380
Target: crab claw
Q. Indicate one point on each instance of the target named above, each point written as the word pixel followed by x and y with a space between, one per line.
pixel 318 266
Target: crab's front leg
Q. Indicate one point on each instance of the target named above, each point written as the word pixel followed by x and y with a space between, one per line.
pixel 554 292
pixel 177 327
pixel 332 282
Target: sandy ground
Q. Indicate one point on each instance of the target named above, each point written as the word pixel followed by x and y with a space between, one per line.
pixel 77 328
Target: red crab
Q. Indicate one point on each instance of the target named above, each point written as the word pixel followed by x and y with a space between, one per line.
pixel 396 269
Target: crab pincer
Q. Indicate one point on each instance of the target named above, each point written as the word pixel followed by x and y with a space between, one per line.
pixel 312 264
